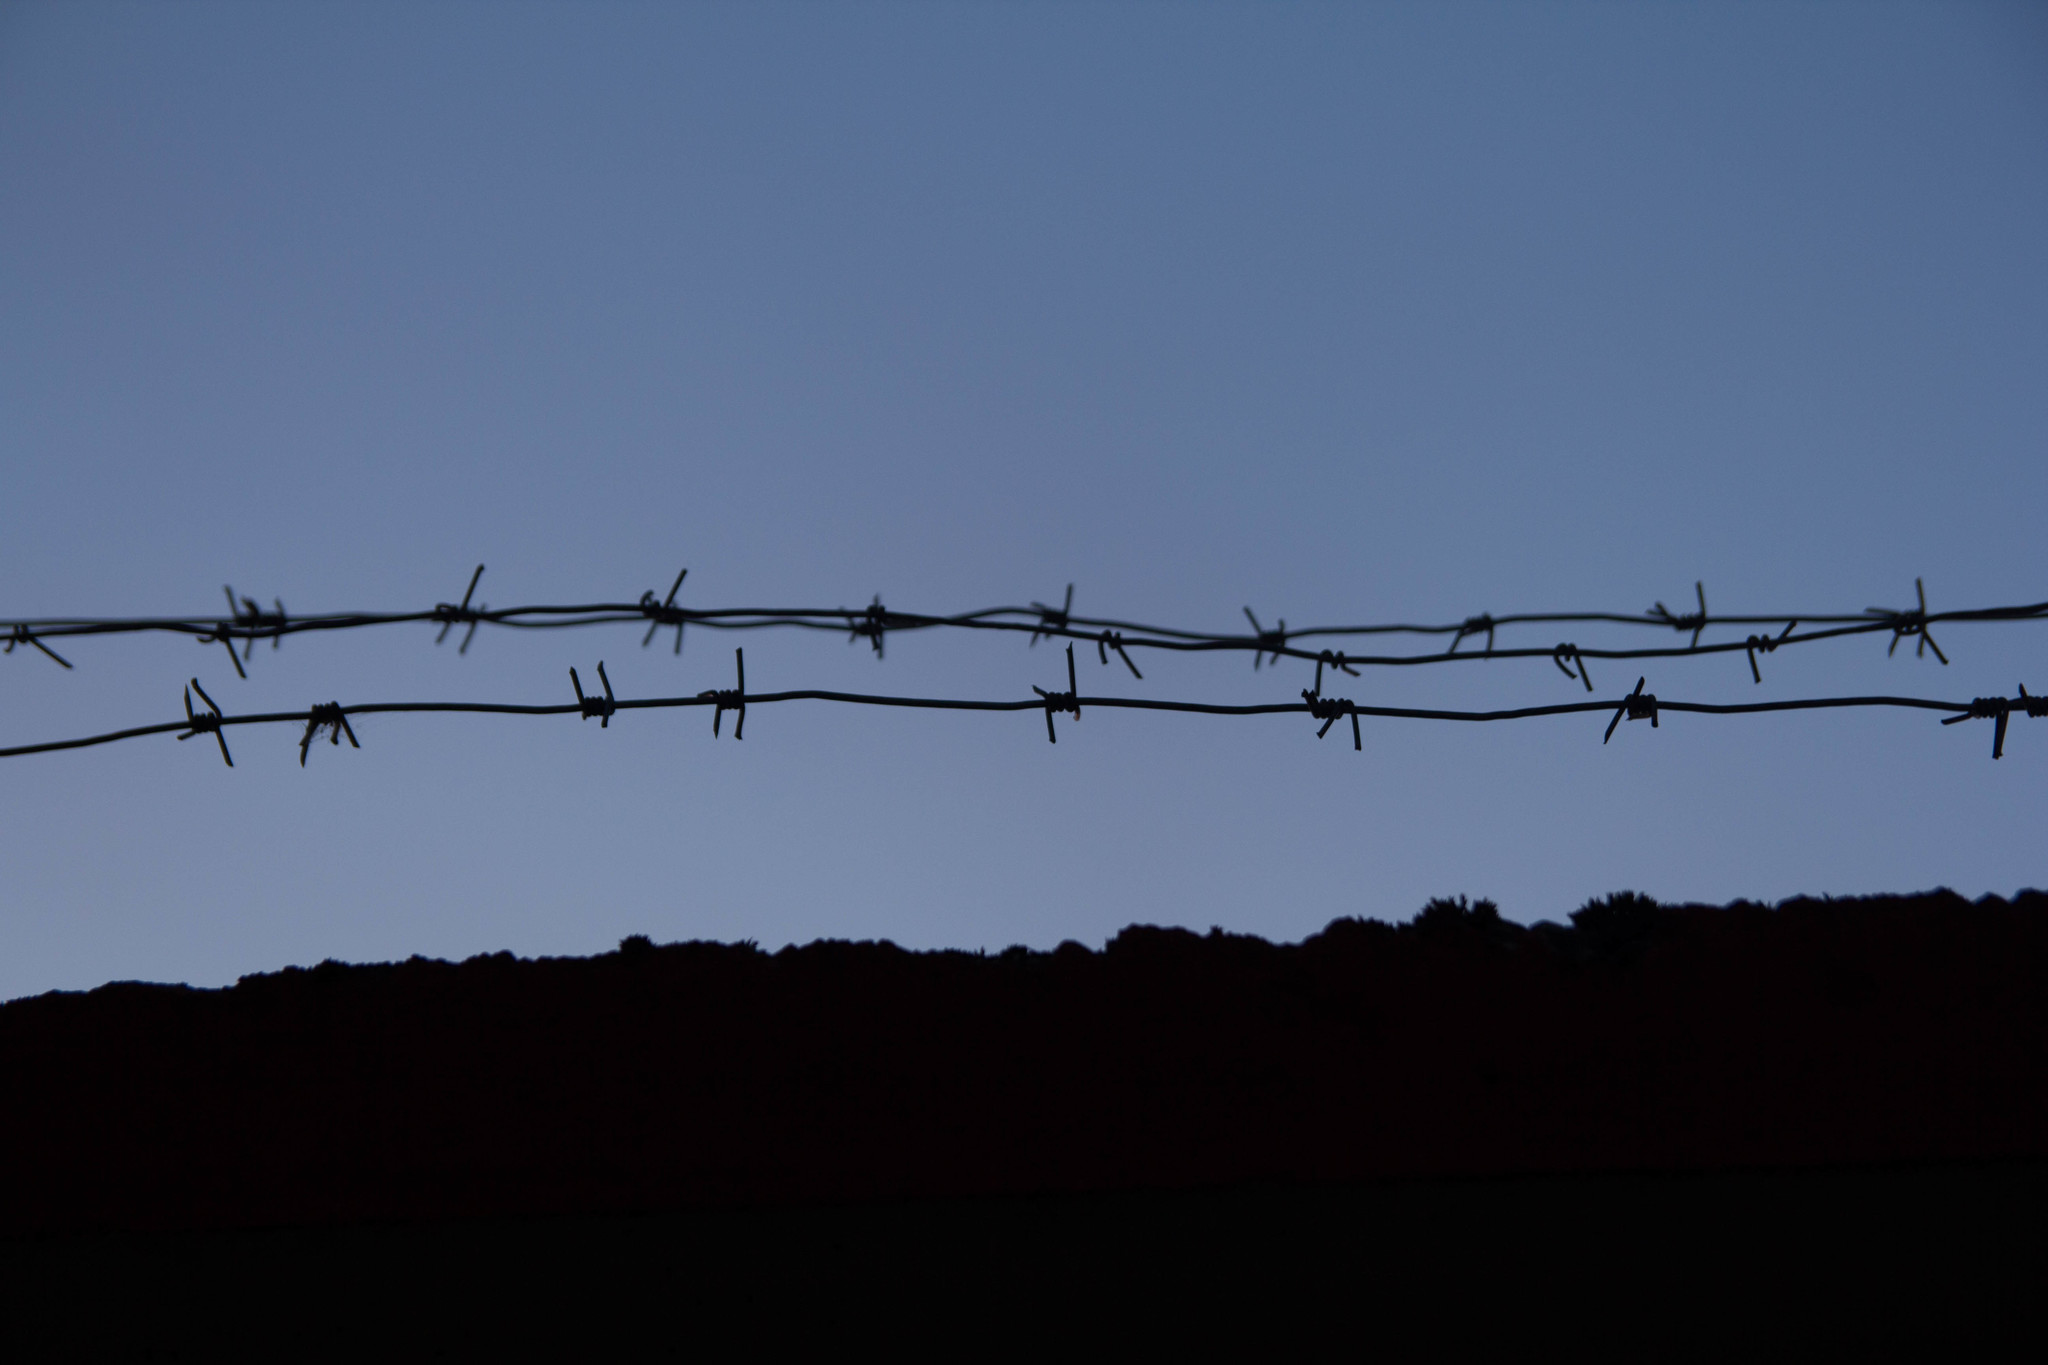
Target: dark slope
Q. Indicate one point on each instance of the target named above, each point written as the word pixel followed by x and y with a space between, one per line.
pixel 1642 1038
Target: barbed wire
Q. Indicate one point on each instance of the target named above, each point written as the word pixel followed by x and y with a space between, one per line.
pixel 333 718
pixel 249 623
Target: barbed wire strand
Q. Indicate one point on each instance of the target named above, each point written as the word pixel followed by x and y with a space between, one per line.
pixel 1637 705
pixel 249 623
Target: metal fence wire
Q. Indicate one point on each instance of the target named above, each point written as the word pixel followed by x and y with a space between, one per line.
pixel 248 623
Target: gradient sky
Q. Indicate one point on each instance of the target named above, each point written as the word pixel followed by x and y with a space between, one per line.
pixel 1347 313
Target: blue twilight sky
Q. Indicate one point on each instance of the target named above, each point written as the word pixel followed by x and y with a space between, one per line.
pixel 1344 312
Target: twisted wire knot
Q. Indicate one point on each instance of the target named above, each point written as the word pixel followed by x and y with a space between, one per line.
pixel 1999 711
pixel 22 636
pixel 724 699
pixel 1905 623
pixel 1329 710
pixel 330 717
pixel 1272 642
pixel 1694 621
pixel 1473 625
pixel 1111 639
pixel 1637 705
pixel 594 705
pixel 205 722
pixel 1053 620
pixel 1766 643
pixel 1336 661
pixel 246 622
pixel 449 616
pixel 1911 623
pixel 254 619
pixel 1069 700
pixel 870 624
pixel 1565 656
pixel 663 613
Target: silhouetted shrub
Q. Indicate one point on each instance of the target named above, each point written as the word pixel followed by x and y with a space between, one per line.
pixel 1443 915
pixel 1154 943
pixel 1619 925
pixel 1350 934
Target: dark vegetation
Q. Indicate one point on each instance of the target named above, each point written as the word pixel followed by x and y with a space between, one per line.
pixel 1665 1130
pixel 1640 1038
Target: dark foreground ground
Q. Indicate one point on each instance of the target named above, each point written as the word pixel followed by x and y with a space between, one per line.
pixel 1813 1264
pixel 1701 1111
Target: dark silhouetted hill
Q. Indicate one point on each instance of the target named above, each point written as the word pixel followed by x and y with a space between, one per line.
pixel 1640 1038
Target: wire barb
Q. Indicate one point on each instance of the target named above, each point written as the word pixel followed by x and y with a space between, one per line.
pixel 246 622
pixel 1336 661
pixel 730 699
pixel 330 717
pixel 1692 621
pixel 448 615
pixel 1999 710
pixel 22 636
pixel 1069 700
pixel 1473 625
pixel 1637 705
pixel 1111 639
pixel 1052 620
pixel 224 636
pixel 255 622
pixel 1565 656
pixel 1904 623
pixel 1273 641
pixel 206 722
pixel 663 613
pixel 1329 709
pixel 600 707
pixel 1767 643
pixel 870 625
